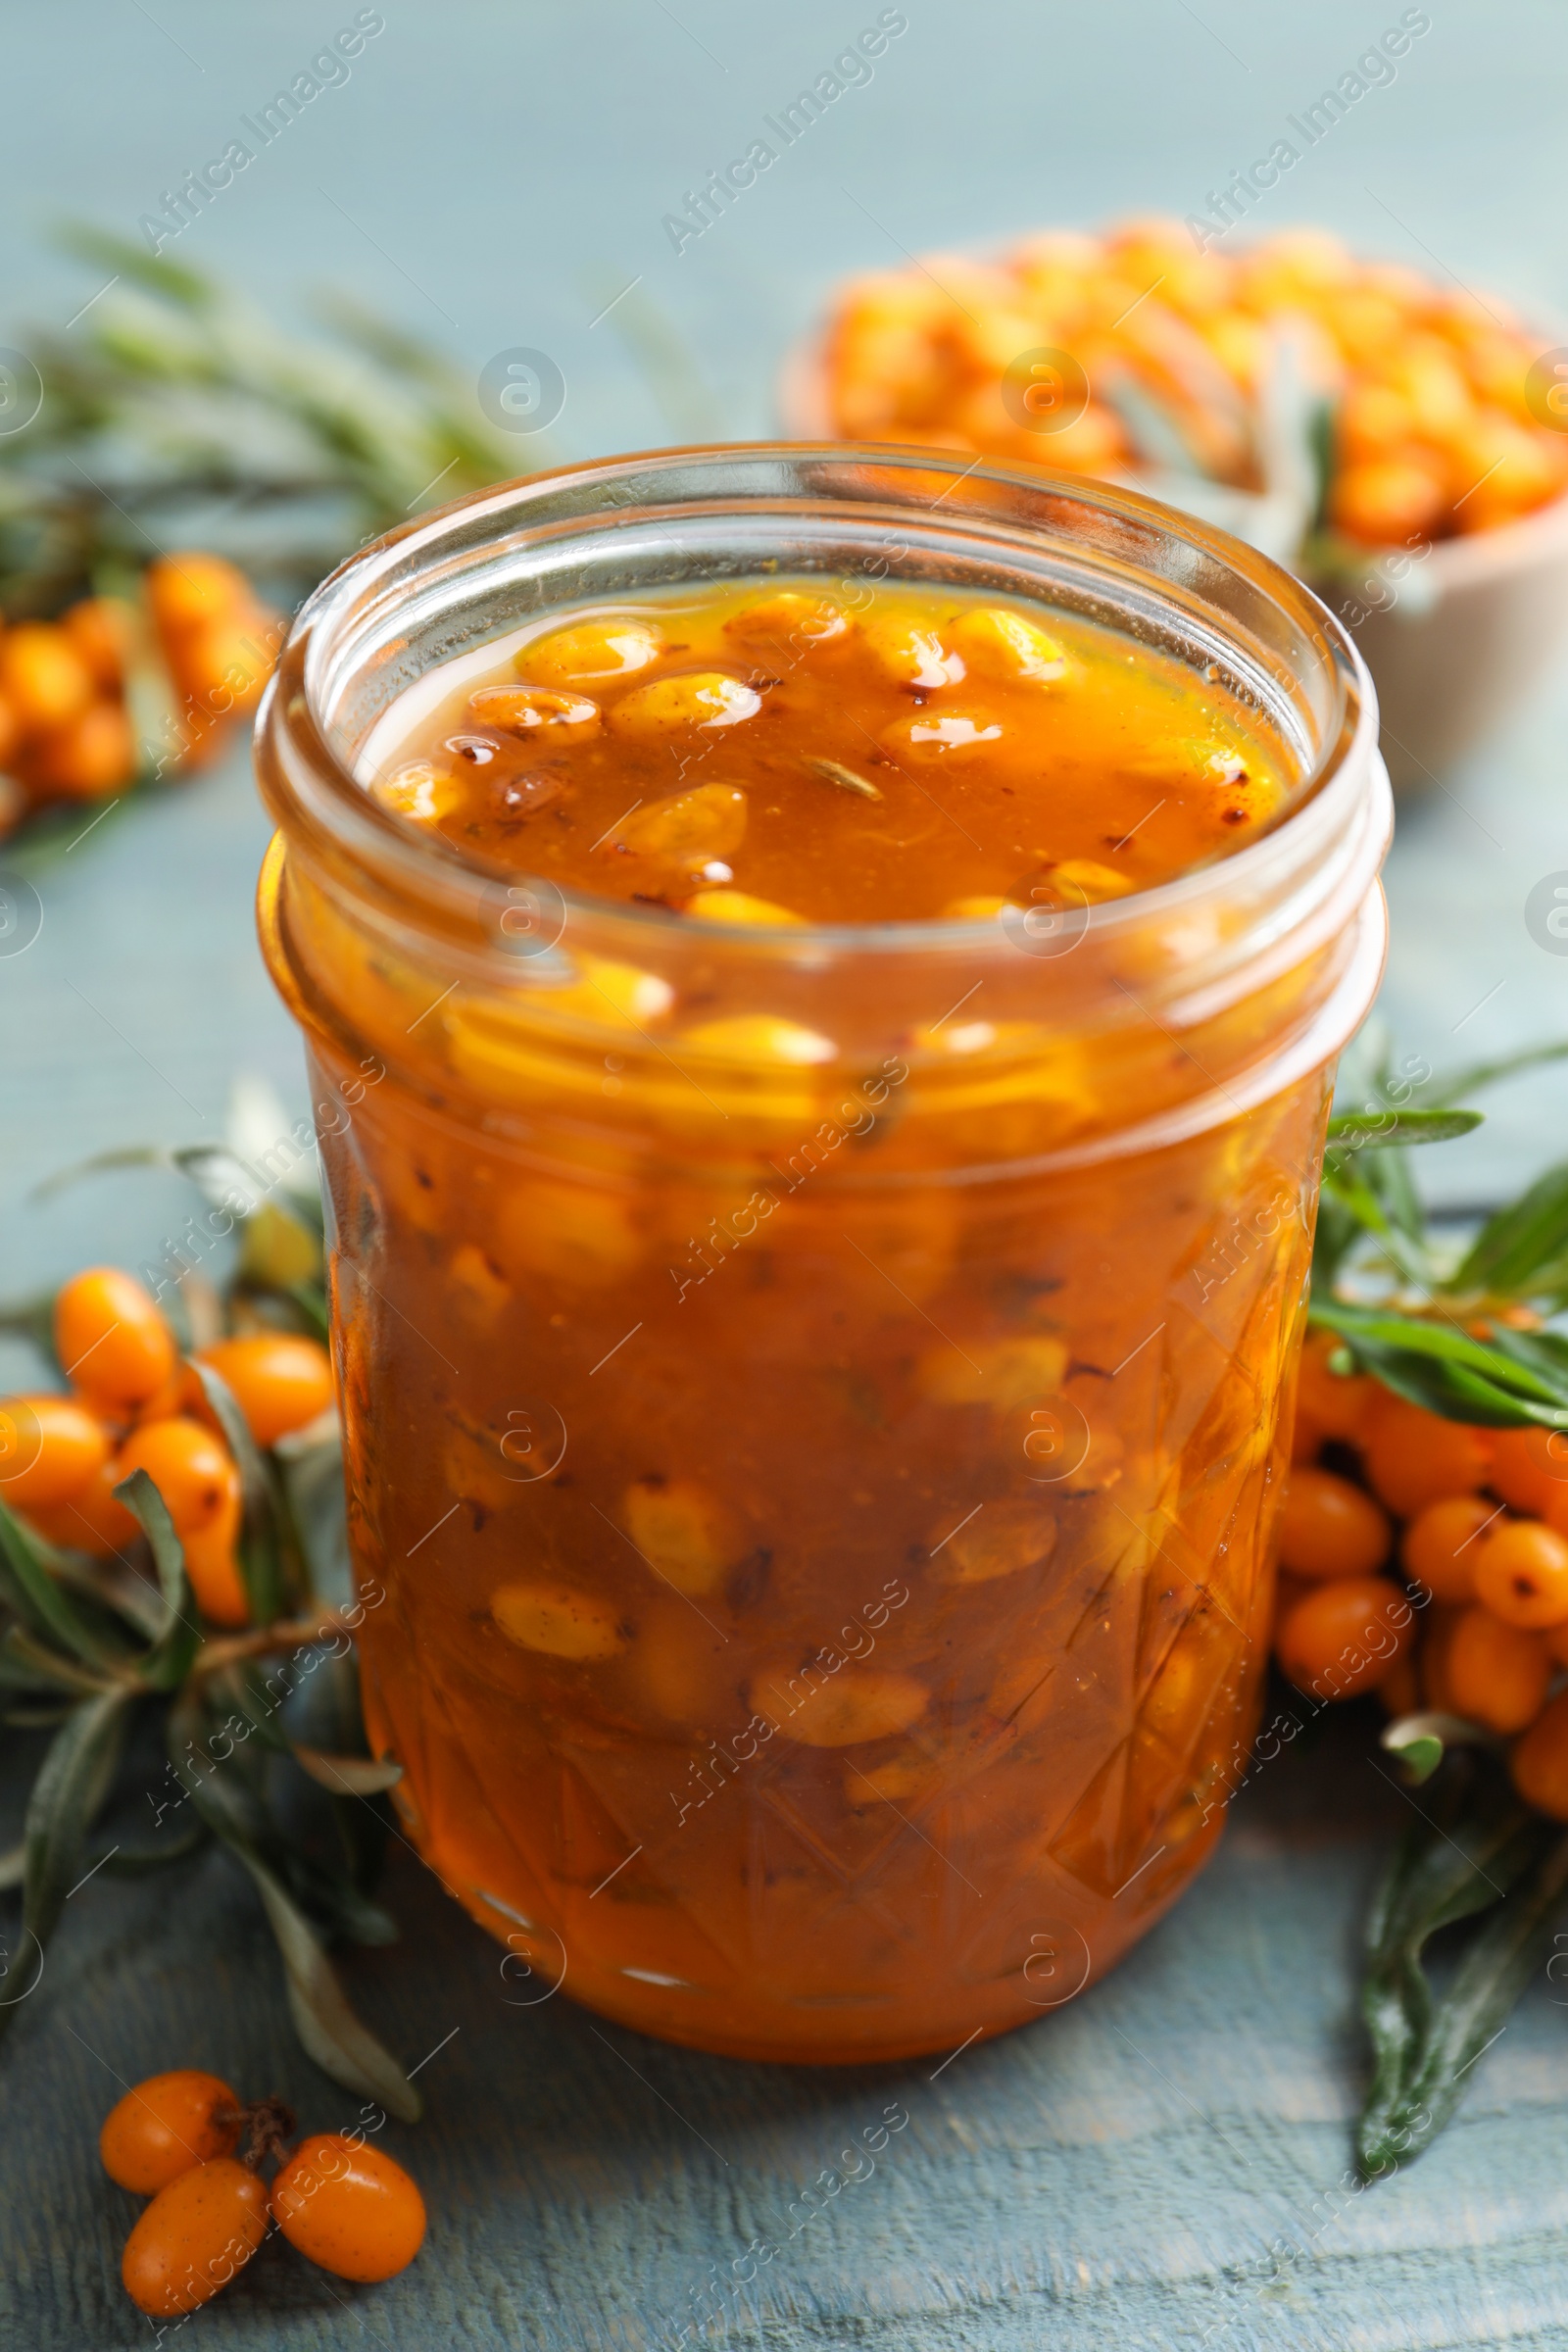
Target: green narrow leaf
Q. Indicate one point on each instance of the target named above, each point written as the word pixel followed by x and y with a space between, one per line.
pixel 1520 1239
pixel 1502 1958
pixel 73 1782
pixel 1381 1129
pixel 167 1662
pixel 349 1776
pixel 39 1596
pixel 1512 1379
pixel 328 2029
pixel 136 1861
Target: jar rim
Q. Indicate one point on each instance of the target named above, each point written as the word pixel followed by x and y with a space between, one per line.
pixel 308 784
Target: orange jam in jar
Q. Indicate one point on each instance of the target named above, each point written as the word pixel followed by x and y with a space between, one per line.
pixel 822 972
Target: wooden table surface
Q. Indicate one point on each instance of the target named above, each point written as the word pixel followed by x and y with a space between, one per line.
pixel 1165 2162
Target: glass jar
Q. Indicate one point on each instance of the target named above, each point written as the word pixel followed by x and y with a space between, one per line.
pixel 822 1503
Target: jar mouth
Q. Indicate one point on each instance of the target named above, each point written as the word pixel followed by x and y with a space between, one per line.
pixel 449 582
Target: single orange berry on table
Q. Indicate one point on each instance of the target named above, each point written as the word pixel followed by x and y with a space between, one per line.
pixel 349 2207
pixel 91 1521
pixel 211 1562
pixel 1341 1404
pixel 1496 1674
pixel 191 1469
pixel 279 1380
pixel 1530 1467
pixel 1522 1573
pixel 1329 1528
pixel 51 1448
pixel 163 2126
pixel 1539 1760
pixel 197 2232
pixel 1414 1457
pixel 42 675
pixel 112 1341
pixel 1345 1637
pixel 1440 1545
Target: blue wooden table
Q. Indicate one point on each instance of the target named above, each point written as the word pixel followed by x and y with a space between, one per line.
pixel 1165 2162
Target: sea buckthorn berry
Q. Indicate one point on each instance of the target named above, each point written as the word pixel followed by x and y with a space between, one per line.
pixel 910 654
pixel 737 906
pixel 1539 1760
pixel 1413 1459
pixel 1344 1638
pixel 211 1563
pixel 1001 1539
pixel 1530 1467
pixel 1522 1574
pixel 688 829
pixel 280 1380
pixel 788 622
pixel 595 653
pixel 191 1469
pixel 558 1620
pixel 193 2237
pixel 103 630
pixel 1340 1403
pixel 685 1534
pixel 997 644
pixel 699 698
pixel 91 755
pixel 189 590
pixel 1442 1544
pixel 420 789
pixel 940 734
pixel 1496 1674
pixel 165 2125
pixel 1329 1528
pixel 112 1343
pixel 349 2207
pixel 1386 501
pixel 846 1709
pixel 51 1449
pixel 90 1521
pixel 42 675
pixel 535 710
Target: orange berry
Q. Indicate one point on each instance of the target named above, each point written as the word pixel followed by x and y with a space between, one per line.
pixel 103 630
pixel 1530 1468
pixel 1345 1637
pixel 1440 1546
pixel 1555 1637
pixel 212 1565
pixel 42 677
pixel 181 1393
pixel 348 2208
pixel 165 2125
pixel 1340 1403
pixel 50 1450
pixel 1413 1459
pixel 188 589
pixel 111 1340
pixel 91 1521
pixel 194 2236
pixel 90 756
pixel 1539 1760
pixel 190 1468
pixel 1386 501
pixel 1522 1574
pixel 1329 1528
pixel 279 1382
pixel 1496 1674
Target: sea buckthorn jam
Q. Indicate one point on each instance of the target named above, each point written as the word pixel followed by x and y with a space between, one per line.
pixel 811 1394
pixel 759 755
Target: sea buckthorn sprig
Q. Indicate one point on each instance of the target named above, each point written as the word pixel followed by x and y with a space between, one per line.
pixel 172 1538
pixel 116 670
pixel 349 2207
pixel 1423 1551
